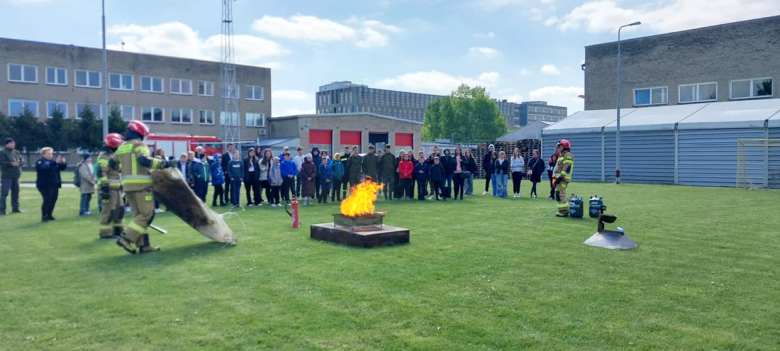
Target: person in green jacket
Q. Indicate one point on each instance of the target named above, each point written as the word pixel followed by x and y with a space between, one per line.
pixel 371 164
pixel 11 163
pixel 355 167
pixel 388 165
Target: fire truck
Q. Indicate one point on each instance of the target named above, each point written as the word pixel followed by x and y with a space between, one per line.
pixel 177 144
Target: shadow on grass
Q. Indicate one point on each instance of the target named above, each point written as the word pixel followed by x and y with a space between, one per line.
pixel 173 256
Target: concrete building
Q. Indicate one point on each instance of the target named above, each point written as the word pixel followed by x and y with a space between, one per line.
pixel 540 111
pixel 332 132
pixel 511 112
pixel 728 62
pixel 172 95
pixel 346 97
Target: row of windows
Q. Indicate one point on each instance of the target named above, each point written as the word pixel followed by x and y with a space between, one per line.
pixel 18 73
pixel 417 115
pixel 546 118
pixel 547 110
pixel 148 113
pixel 382 97
pixel 704 92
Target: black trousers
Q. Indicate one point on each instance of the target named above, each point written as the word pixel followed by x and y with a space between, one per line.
pixel 251 185
pixel 201 189
pixel 517 177
pixel 487 181
pixel 336 194
pixel 459 185
pixel 288 184
pixel 274 199
pixel 227 187
pixel 552 187
pixel 218 194
pixel 11 185
pixel 407 189
pixel 421 190
pixel 533 188
pixel 264 184
pixel 438 189
pixel 50 193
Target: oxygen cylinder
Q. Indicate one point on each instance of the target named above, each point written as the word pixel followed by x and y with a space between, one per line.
pixel 575 207
pixel 594 206
pixel 296 223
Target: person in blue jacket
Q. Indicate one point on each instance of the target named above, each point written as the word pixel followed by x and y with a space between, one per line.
pixel 289 171
pixel 337 168
pixel 235 173
pixel 217 180
pixel 325 177
pixel 421 176
pixel 438 176
pixel 201 176
pixel 49 181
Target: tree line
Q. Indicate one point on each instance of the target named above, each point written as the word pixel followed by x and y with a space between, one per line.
pixel 60 133
pixel 467 113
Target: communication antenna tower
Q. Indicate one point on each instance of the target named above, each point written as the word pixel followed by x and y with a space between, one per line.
pixel 229 118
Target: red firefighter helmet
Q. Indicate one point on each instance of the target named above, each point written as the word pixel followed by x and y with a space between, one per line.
pixel 113 140
pixel 138 127
pixel 566 144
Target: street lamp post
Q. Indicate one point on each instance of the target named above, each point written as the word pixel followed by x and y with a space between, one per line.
pixel 453 137
pixel 617 134
pixel 105 75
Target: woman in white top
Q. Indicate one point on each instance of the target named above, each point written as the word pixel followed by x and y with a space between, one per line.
pixel 518 167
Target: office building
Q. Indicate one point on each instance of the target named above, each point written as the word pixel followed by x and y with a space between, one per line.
pixel 511 113
pixel 346 97
pixel 540 111
pixel 172 95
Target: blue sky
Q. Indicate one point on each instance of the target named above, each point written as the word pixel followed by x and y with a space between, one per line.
pixel 519 49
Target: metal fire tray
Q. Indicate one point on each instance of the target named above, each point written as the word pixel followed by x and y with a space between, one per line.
pixel 372 221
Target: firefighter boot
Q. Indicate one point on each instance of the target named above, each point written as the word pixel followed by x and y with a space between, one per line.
pixel 127 245
pixel 145 247
pixel 118 231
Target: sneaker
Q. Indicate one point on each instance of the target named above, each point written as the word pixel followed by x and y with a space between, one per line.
pixel 249 205
pixel 260 204
pixel 157 210
pixel 561 215
pixel 430 197
pixel 485 193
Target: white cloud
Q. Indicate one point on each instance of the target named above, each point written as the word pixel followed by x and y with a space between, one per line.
pixel 179 40
pixel 514 98
pixel 524 72
pixel 535 14
pixel 272 65
pixel 434 82
pixel 483 52
pixel 496 4
pixel 664 16
pixel 550 70
pixel 560 96
pixel 551 21
pixel 489 35
pixel 311 29
pixel 294 95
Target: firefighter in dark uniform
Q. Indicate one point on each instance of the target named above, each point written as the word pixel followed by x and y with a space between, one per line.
pixel 135 163
pixel 109 183
pixel 562 176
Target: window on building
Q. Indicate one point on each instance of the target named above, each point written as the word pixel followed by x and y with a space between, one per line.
pixel 206 117
pixel 118 81
pixel 255 120
pixel 698 92
pixel 16 107
pixel 97 109
pixel 152 114
pixel 181 86
pixel 152 85
pixel 22 73
pixel 650 96
pixel 181 115
pixel 127 112
pixel 206 89
pixel 751 88
pixel 56 76
pixel 231 91
pixel 87 79
pixel 52 106
pixel 231 120
pixel 254 92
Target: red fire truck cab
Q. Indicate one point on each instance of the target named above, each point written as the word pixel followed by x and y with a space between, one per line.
pixel 177 144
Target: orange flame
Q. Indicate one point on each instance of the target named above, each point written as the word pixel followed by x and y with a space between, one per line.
pixel 361 200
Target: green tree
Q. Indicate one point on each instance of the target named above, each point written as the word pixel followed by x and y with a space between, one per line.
pixel 89 131
pixel 28 132
pixel 5 126
pixel 468 113
pixel 59 131
pixel 115 122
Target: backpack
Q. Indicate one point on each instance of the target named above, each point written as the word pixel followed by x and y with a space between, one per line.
pixel 76 176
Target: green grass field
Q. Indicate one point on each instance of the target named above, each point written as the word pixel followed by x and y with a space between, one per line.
pixel 29 176
pixel 484 274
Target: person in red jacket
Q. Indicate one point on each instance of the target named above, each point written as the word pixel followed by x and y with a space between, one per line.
pixel 406 171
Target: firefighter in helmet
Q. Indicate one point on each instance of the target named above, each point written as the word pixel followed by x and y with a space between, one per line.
pixel 109 183
pixel 132 158
pixel 562 176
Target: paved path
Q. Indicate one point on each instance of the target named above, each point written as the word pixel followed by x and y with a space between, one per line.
pixel 32 185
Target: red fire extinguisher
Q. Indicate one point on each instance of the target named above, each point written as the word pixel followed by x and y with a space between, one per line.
pixel 295 215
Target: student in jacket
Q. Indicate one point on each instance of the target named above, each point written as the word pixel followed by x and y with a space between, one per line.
pixel 437 178
pixel 236 174
pixel 325 177
pixel 550 167
pixel 488 162
pixel 309 174
pixel 517 166
pixel 264 166
pixel 201 171
pixel 434 154
pixel 406 172
pixel 446 162
pixel 491 170
pixel 298 159
pixel 316 159
pixel 252 179
pixel 458 166
pixel 345 179
pixel 226 158
pixel 337 169
pixel 289 171
pixel 468 174
pixel 421 176
pixel 275 181
pixel 218 181
pixel 397 187
pixel 502 175
pixel 535 170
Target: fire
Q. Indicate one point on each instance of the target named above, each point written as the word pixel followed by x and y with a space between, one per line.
pixel 361 201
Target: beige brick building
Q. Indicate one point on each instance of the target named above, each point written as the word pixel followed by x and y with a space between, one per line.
pixel 172 95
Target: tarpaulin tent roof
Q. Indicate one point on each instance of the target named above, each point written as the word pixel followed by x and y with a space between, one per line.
pixel 531 131
pixel 714 115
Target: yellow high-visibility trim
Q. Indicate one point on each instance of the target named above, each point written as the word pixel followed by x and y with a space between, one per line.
pixel 115 185
pixel 566 205
pixel 124 149
pixel 106 227
pixel 136 227
pixel 137 181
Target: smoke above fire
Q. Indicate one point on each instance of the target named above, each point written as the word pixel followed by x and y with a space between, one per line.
pixel 361 200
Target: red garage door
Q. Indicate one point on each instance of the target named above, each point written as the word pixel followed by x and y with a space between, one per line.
pixel 321 138
pixel 404 140
pixel 349 137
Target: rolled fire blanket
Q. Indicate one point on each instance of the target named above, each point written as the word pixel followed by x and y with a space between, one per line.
pixel 173 192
